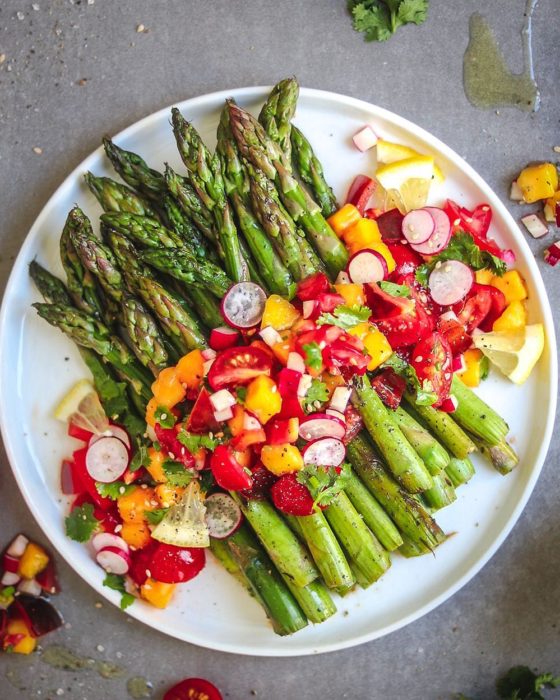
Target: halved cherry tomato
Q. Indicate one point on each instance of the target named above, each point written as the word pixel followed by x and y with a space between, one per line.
pixel 476 223
pixel 170 444
pixel 390 225
pixel 312 286
pixel 389 387
pixel 238 366
pixel 170 564
pixel 262 483
pixel 360 192
pixel 407 260
pixel 431 358
pixel 402 320
pixel 328 301
pixel 475 309
pixel 201 418
pixel 456 335
pixel 354 424
pixel 227 471
pixel 346 355
pixel 497 305
pixel 193 689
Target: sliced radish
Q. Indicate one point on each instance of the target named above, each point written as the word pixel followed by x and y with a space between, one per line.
pixel 320 425
pixel 459 364
pixel 243 305
pixel 450 282
pixel 336 414
pixel 342 278
pixel 10 564
pixel 304 385
pixel 296 362
pixel 206 366
pixel 9 578
pixel 223 515
pixel 449 316
pixel 221 416
pixel 270 336
pixel 209 353
pixel 515 192
pixel 327 452
pixel 107 459
pixel 439 238
pixel 30 586
pixel 535 225
pixel 114 560
pixel 68 484
pixel 222 400
pixel 418 225
pixel 223 337
pixel 113 431
pixel 17 546
pixel 367 266
pixel 107 539
pixel 365 139
pixel 552 254
pixel 449 404
pixel 251 422
pixel 340 398
pixel 310 308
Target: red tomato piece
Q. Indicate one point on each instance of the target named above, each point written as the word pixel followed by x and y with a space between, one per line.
pixel 170 564
pixel 346 355
pixel 288 382
pixel 79 433
pixel 312 286
pixel 291 497
pixel 193 689
pixel 354 424
pixel 406 259
pixel 84 480
pixel 201 418
pixel 390 225
pixel 227 471
pixel 263 481
pixel 497 305
pixel 108 519
pixel 360 192
pixel 278 431
pixel 476 223
pixel 475 309
pixel 169 442
pixel 456 335
pixel 238 366
pixel 141 560
pixel 431 359
pixel 328 302
pixel 389 387
pixel 402 320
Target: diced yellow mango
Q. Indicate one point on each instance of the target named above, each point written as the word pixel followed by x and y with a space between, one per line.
pixel 538 182
pixel 344 218
pixel 281 459
pixel 471 375
pixel 484 276
pixel 279 313
pixel 332 381
pixel 28 643
pixel 132 506
pixel 514 318
pixel 263 398
pixel 168 389
pixel 351 293
pixel 378 348
pixel 157 593
pixel 361 234
pixel 33 560
pixel 190 369
pixel 168 495
pixel 360 330
pixel 136 534
pixel 155 467
pixel 512 285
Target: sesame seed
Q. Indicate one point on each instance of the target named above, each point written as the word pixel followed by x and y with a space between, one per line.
pixel 100 648
pixel 37 150
pixel 118 528
pixel 140 28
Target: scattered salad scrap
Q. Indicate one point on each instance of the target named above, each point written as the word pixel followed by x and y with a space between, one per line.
pixel 28 577
pixel 294 370
pixel 193 689
pixel 378 20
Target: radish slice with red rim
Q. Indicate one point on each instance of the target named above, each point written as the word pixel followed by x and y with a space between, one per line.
pixel 439 238
pixel 222 338
pixel 449 404
pixel 418 225
pixel 107 539
pixel 30 586
pixel 9 578
pixel 336 414
pixel 327 452
pixel 107 459
pixel 113 431
pixel 450 282
pixel 320 425
pixel 17 546
pixel 114 560
pixel 223 515
pixel 243 305
pixel 367 266
pixel 10 564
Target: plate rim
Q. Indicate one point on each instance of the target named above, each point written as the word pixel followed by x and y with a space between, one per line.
pixel 257 92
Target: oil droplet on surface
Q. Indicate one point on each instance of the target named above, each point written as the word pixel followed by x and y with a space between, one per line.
pixel 138 687
pixel 488 81
pixel 60 657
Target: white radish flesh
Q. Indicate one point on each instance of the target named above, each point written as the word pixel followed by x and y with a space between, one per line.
pixel 107 539
pixel 365 139
pixel 30 586
pixel 210 353
pixel 439 238
pixel 515 192
pixel 112 431
pixel 319 425
pixel 337 414
pixel 9 578
pixel 304 385
pixel 107 459
pixel 221 416
pixel 17 546
pixel 206 366
pixel 296 362
pixel 327 452
pixel 114 560
pixel 222 400
pixel 449 316
pixel 223 515
pixel 535 225
pixel 342 278
pixel 251 422
pixel 340 398
pixel 418 226
pixel 450 282
pixel 270 336
pixel 367 266
pixel 243 305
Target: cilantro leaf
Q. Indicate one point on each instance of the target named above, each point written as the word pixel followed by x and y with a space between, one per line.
pixel 313 355
pixel 324 483
pixel 425 395
pixel 379 19
pixel 345 316
pixel 176 473
pixel 317 392
pixel 462 247
pixel 164 417
pixel 141 458
pixel 154 517
pixel 412 11
pixel 193 442
pixel 484 367
pixel 241 393
pixel 81 523
pixel 7 595
pixel 395 290
pixel 520 683
pixel 114 490
pixel 206 480
pixel 117 583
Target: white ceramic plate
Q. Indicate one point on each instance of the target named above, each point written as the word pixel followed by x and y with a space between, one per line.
pixel 38 365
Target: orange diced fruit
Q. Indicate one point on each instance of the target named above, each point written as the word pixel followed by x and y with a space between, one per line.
pixel 353 294
pixel 155 467
pixel 343 218
pixel 168 495
pixel 168 389
pixel 513 319
pixel 136 534
pixel 512 285
pixel 33 560
pixel 281 459
pixel 190 369
pixel 26 642
pixel 157 593
pixel 133 505
pixel 471 375
pixel 279 313
pixel 263 398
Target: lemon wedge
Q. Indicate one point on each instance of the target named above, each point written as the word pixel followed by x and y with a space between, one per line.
pixel 407 182
pixel 390 152
pixel 514 354
pixel 184 524
pixel 81 406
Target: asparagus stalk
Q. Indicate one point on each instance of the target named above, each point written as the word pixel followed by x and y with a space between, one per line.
pixel 220 549
pixel 310 170
pixel 188 200
pixel 402 460
pixel 374 516
pixel 114 196
pixel 52 289
pixel 442 492
pixel 410 548
pixel 314 600
pixel 278 111
pixel 135 171
pixel 147 343
pixel 474 415
pixel 409 516
pixel 503 457
pixel 459 471
pixel 434 455
pixel 146 231
pixel 190 235
pixel 325 550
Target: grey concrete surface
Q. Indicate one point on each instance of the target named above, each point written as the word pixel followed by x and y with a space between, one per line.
pixel 76 70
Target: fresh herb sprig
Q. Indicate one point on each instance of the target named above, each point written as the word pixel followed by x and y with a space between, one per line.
pixel 378 20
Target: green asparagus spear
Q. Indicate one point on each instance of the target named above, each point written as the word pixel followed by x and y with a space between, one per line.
pixel 314 600
pixel 442 492
pixel 278 111
pixel 135 171
pixel 53 289
pixel 434 455
pixel 310 170
pixel 410 548
pixel 142 229
pixel 503 457
pixel 459 471
pixel 114 196
pixel 190 203
pixel 402 460
pixel 474 415
pixel 147 343
pixel 220 549
pixel 179 222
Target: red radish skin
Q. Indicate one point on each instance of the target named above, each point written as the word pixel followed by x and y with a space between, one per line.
pixel 418 226
pixel 459 364
pixel 450 281
pixel 320 425
pixel 17 546
pixel 449 405
pixel 107 539
pixel 328 452
pixel 552 254
pixel 367 266
pixel 360 192
pixel 10 564
pixel 107 459
pixel 223 515
pixel 114 560
pixel 243 305
pixel 223 337
pixel 112 431
pixel 365 139
pixel 440 237
pixel 310 308
pixel 336 414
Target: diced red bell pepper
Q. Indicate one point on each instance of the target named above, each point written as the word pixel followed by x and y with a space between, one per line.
pixel 281 430
pixel 288 382
pixel 79 433
pixel 291 408
pixel 389 387
pixel 360 192
pixel 227 471
pixel 170 564
pixel 310 287
pixel 84 482
pixel 291 497
pixel 140 562
pixel 406 259
pixel 390 226
pixel 201 418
